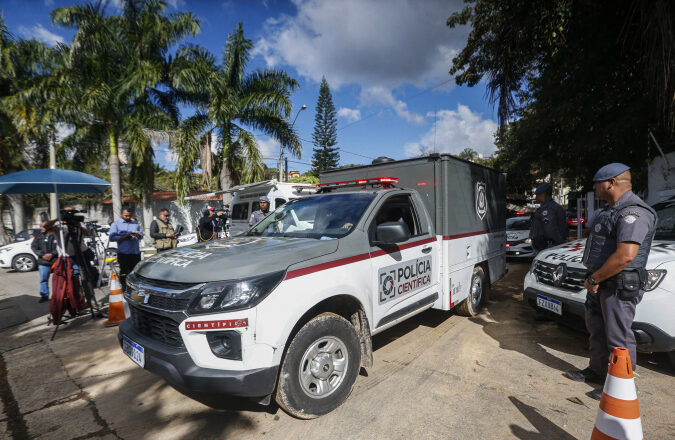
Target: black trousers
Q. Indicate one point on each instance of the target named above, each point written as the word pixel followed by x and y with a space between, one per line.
pixel 127 263
pixel 608 321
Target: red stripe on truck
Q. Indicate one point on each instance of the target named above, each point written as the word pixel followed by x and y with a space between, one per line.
pixel 471 234
pixel 354 259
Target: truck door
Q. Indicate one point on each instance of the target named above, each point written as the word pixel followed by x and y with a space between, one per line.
pixel 405 276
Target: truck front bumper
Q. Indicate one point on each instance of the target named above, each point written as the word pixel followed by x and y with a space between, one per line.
pixel 176 366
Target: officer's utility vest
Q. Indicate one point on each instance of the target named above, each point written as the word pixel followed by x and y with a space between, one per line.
pixel 165 243
pixel 601 244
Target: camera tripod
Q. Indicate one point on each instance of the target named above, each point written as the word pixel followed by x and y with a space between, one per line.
pixel 84 277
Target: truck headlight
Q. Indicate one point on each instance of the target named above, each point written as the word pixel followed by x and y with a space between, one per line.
pixel 654 278
pixel 225 296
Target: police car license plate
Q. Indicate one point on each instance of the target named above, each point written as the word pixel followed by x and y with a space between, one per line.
pixel 134 351
pixel 550 304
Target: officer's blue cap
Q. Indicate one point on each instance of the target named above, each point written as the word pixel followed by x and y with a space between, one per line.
pixel 544 187
pixel 264 199
pixel 609 171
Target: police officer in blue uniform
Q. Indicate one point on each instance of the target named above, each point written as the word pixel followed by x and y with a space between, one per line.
pixel 616 255
pixel 261 213
pixel 549 222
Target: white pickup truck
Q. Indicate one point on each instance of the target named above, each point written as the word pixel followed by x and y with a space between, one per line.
pixel 287 309
pixel 555 283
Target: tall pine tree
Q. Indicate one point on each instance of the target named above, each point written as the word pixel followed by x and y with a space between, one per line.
pixel 325 155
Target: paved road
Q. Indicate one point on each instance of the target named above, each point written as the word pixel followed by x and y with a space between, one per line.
pixel 436 376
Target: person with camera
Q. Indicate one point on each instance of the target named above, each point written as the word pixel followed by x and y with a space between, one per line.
pixel 205 228
pixel 44 246
pixel 162 232
pixel 127 233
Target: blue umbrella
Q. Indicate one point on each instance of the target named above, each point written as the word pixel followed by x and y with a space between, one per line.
pixel 51 180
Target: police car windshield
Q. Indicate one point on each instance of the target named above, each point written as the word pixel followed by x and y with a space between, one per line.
pixel 665 227
pixel 321 217
pixel 518 223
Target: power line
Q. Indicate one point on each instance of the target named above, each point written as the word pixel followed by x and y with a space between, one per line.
pixel 340 148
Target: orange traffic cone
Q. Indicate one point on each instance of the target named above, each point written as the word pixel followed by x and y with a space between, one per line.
pixel 115 303
pixel 619 413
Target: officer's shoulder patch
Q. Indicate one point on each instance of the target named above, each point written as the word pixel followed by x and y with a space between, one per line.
pixel 630 212
pixel 544 212
pixel 630 219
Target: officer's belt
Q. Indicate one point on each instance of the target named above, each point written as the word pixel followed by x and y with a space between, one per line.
pixel 616 282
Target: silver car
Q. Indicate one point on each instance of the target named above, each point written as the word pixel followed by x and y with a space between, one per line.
pixel 518 241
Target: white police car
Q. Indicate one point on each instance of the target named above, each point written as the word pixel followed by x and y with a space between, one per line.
pixel 518 241
pixel 18 256
pixel 555 282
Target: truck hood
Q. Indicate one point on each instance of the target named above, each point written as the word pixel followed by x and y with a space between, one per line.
pixel 233 258
pixel 516 235
pixel 572 253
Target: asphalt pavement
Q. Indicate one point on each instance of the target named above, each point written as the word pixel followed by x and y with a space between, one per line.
pixel 436 376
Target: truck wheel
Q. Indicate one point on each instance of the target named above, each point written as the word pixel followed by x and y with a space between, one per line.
pixel 319 368
pixel 471 305
pixel 24 263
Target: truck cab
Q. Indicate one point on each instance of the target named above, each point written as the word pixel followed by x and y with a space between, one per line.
pixel 288 308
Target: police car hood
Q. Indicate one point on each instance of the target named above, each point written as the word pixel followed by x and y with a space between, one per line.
pixel 572 253
pixel 515 235
pixel 233 258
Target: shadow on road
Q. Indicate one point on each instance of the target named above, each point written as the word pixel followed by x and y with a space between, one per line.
pixel 545 428
pixel 16 310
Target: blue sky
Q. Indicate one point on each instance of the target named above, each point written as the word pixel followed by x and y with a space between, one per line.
pixel 386 61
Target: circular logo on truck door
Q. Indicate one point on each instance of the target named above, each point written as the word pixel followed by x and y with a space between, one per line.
pixel 481 200
pixel 388 284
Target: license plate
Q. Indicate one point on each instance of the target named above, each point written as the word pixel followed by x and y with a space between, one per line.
pixel 134 351
pixel 550 304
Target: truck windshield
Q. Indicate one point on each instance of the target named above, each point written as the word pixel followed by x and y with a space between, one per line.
pixel 321 217
pixel 665 227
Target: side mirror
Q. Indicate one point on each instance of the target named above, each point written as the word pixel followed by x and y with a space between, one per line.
pixel 389 233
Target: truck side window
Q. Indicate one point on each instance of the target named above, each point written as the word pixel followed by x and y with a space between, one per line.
pixel 398 208
pixel 255 206
pixel 240 211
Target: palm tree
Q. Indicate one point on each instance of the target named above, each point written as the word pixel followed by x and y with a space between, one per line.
pixel 123 73
pixel 229 103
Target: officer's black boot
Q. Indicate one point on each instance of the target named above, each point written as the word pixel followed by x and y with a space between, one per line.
pixel 586 375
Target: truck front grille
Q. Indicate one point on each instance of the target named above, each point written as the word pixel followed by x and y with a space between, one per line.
pixel 157 327
pixel 167 303
pixel 573 281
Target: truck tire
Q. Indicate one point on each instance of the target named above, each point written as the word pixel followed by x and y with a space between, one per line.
pixel 471 305
pixel 320 367
pixel 24 263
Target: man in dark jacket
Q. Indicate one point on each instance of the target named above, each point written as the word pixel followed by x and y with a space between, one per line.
pixel 205 228
pixel 44 246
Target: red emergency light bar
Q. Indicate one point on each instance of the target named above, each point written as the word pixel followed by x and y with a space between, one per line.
pixel 371 180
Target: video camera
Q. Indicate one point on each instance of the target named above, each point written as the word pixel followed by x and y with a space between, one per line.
pixel 68 216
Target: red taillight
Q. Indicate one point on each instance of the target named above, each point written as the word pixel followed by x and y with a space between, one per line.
pixel 32 235
pixel 520 213
pixel 422 184
pixel 508 245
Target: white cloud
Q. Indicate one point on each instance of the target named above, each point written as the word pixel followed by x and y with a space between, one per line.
pixel 375 42
pixel 39 32
pixel 269 148
pixel 49 3
pixel 350 114
pixel 454 131
pixel 63 131
pixel 171 157
pixel 378 95
pixel 175 3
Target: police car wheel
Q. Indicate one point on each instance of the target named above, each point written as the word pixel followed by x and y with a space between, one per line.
pixel 24 263
pixel 471 305
pixel 319 368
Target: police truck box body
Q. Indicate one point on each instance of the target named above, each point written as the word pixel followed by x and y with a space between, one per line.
pixel 288 309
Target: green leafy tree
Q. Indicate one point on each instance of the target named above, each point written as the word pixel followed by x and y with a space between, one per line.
pixel 468 154
pixel 306 178
pixel 124 77
pixel 230 103
pixel 576 84
pixel 326 155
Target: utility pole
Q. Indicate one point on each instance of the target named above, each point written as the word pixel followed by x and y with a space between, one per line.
pixel 52 165
pixel 281 155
